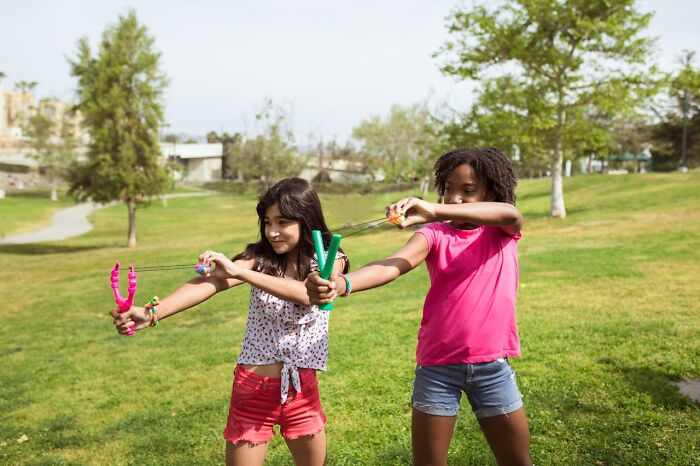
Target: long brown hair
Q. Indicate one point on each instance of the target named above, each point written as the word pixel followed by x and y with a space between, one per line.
pixel 298 201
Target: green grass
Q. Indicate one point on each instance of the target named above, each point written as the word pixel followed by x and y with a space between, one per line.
pixel 607 312
pixel 28 210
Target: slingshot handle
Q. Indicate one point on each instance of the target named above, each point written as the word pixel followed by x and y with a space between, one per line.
pixel 124 304
pixel 326 261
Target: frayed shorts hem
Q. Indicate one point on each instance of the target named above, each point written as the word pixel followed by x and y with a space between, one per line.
pixel 437 410
pixel 434 410
pixel 498 410
pixel 262 439
pixel 237 440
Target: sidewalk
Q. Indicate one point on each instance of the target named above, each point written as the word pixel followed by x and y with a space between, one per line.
pixel 73 221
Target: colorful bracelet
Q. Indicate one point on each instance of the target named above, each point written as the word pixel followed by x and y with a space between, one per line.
pixel 348 287
pixel 151 306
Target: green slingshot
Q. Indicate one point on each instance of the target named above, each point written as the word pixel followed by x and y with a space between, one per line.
pixel 326 261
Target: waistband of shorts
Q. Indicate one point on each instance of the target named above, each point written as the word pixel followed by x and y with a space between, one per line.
pixel 304 375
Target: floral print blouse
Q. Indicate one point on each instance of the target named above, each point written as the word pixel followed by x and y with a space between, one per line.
pixel 283 331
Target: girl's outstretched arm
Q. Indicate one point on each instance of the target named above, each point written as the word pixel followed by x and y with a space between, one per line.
pixel 190 294
pixel 374 274
pixel 498 214
pixel 284 288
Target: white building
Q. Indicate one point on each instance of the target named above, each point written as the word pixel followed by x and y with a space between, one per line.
pixel 336 171
pixel 201 162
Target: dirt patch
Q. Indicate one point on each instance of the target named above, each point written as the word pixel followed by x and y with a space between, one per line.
pixel 690 388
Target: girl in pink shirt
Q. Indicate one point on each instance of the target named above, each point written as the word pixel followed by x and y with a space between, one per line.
pixel 468 330
pixel 286 338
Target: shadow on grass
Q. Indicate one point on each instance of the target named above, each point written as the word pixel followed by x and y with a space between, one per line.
pixel 655 383
pixel 156 436
pixel 44 194
pixel 37 249
pixel 395 455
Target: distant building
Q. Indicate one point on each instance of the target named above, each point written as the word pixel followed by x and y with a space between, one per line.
pixel 16 108
pixel 19 108
pixel 64 113
pixel 3 112
pixel 336 170
pixel 621 163
pixel 200 162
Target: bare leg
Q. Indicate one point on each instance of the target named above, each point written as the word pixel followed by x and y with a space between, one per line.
pixel 431 437
pixel 245 454
pixel 509 438
pixel 309 450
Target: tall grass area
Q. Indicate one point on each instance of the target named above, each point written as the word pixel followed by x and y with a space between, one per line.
pixel 607 310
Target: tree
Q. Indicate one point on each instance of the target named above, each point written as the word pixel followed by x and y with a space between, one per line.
pixel 685 88
pixel 267 157
pixel 562 55
pixel 25 87
pixel 403 146
pixel 212 137
pixel 504 115
pixel 54 154
pixel 120 90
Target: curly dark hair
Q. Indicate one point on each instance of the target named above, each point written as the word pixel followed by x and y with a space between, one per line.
pixel 490 165
pixel 296 200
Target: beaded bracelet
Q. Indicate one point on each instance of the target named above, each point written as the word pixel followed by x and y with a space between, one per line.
pixel 348 287
pixel 151 306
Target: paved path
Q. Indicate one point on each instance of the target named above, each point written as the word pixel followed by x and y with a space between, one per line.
pixel 73 221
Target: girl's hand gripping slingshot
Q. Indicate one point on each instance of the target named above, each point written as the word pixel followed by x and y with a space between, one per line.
pixel 325 265
pixel 326 261
pixel 124 304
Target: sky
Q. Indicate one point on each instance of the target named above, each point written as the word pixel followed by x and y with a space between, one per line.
pixel 329 64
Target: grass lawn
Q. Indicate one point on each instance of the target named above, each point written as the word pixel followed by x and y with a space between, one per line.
pixel 28 210
pixel 608 316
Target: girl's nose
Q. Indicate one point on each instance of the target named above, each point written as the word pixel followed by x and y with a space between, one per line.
pixel 453 199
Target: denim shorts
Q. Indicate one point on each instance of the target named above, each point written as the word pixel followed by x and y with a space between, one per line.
pixel 490 388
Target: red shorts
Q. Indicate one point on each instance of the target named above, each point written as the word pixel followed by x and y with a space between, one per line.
pixel 255 408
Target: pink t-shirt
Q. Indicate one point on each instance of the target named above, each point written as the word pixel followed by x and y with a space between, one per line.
pixel 469 311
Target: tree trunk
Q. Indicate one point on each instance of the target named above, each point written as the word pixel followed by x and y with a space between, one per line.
pixel 131 241
pixel 557 208
pixel 54 193
pixel 683 163
pixel 425 186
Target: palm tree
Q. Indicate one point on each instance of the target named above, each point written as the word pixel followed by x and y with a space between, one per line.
pixel 25 86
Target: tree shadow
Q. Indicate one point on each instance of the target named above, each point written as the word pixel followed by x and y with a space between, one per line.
pixel 44 194
pixel 655 383
pixel 37 249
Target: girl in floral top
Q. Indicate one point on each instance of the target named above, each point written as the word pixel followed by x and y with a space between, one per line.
pixel 286 338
